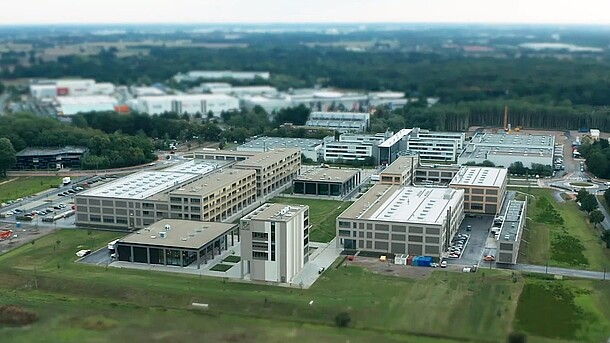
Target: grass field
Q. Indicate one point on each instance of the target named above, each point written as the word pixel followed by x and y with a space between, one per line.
pixel 78 302
pixel 323 215
pixel 569 244
pixel 19 187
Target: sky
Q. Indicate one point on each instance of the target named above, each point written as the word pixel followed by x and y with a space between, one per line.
pixel 304 11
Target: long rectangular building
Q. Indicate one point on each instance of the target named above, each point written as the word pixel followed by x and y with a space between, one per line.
pixel 402 220
pixel 511 231
pixel 146 197
pixel 188 104
pixel 331 182
pixel 274 169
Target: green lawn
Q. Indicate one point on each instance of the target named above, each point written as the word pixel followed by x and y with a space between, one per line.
pixel 232 259
pixel 565 245
pixel 78 302
pixel 19 187
pixel 323 215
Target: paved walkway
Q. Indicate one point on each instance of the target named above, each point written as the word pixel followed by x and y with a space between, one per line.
pixel 606 222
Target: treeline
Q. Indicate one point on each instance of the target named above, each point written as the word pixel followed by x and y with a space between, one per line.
pixel 460 116
pixel 453 79
pixel 106 150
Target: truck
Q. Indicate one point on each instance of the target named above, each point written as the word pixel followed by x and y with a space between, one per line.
pixel 112 246
pixel 66 180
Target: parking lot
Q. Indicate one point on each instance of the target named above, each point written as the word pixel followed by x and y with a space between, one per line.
pixel 477 237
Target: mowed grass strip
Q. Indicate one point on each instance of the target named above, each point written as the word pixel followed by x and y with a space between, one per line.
pixel 19 187
pixel 569 244
pixel 447 305
pixel 323 215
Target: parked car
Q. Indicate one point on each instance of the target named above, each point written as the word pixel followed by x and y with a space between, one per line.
pixel 443 264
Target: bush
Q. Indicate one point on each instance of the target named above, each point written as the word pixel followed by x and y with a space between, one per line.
pixel 517 337
pixel 343 319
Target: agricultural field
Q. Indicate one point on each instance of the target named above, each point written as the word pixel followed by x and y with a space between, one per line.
pixel 18 187
pixel 559 234
pixel 323 215
pixel 70 302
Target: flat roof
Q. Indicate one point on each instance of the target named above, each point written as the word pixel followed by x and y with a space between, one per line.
pixel 483 152
pixel 51 151
pixel 327 175
pixel 505 139
pixel 212 182
pixel 400 165
pixel 275 212
pixel 185 234
pixel 512 217
pixel 395 138
pixel 86 100
pixel 268 157
pixel 480 176
pixel 280 142
pixel 185 97
pixel 194 167
pixel 140 185
pixel 404 204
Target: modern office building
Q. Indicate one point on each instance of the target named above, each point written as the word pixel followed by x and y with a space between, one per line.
pixel 353 147
pixel 484 188
pixel 402 220
pixel 201 193
pixel 340 121
pixel 435 146
pixel 274 169
pixel 49 158
pixel 310 148
pixel 390 148
pixel 401 172
pixel 71 105
pixel 275 242
pixel 195 75
pixel 187 103
pixel 332 182
pixel 503 149
pixel 509 238
pixel 171 242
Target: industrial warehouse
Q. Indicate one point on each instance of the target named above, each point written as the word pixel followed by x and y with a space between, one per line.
pixel 402 220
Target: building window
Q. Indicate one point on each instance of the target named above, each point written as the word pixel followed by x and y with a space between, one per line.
pixel 95 218
pixel 176 207
pixel 175 199
pixel 260 246
pixel 476 207
pixel 195 200
pixel 272 241
pixel 260 236
pixel 344 233
pixel 260 255
pixel 345 224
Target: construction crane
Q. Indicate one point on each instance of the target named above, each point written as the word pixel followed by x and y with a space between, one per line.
pixel 505 118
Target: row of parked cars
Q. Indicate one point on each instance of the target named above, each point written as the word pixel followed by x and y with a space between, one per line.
pixel 457 245
pixel 71 191
pixel 43 212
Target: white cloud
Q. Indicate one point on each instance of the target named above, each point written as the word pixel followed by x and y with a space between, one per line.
pixel 290 11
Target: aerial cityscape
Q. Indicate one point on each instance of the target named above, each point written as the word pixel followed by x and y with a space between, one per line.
pixel 288 176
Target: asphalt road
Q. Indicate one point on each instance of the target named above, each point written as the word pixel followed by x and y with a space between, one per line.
pixel 586 274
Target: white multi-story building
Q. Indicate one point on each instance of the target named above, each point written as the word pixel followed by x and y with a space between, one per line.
pixel 352 147
pixel 436 146
pixel 189 104
pixel 275 242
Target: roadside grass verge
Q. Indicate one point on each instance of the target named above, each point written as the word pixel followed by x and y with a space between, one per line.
pixel 559 234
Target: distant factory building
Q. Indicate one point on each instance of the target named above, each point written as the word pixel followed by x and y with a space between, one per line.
pixel 332 182
pixel 310 148
pixel 71 105
pixel 340 121
pixel 50 89
pixel 187 104
pixel 196 75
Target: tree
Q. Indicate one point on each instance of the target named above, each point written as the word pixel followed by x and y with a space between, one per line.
pixel 597 163
pixel 517 337
pixel 7 156
pixel 607 195
pixel 582 193
pixel 589 203
pixel 595 217
pixel 342 319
